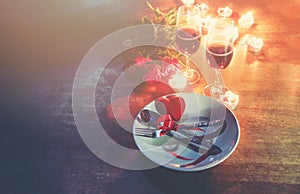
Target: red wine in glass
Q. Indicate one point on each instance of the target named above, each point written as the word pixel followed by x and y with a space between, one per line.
pixel 188 39
pixel 219 54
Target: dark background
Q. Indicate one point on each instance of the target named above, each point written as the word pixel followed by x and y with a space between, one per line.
pixel 42 45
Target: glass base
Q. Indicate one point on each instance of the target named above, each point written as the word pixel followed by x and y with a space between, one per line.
pixel 215 91
pixel 191 75
pixel 223 95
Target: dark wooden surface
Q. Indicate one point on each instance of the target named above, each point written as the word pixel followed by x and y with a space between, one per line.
pixel 42 45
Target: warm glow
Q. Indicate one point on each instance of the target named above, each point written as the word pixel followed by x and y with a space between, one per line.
pixel 204 9
pixel 246 21
pixel 231 100
pixel 175 165
pixel 225 11
pixel 188 2
pixel 230 97
pixel 205 22
pixel 178 82
pixel 255 44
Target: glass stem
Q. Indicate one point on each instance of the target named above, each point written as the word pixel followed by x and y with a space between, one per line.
pixel 187 62
pixel 218 86
pixel 218 78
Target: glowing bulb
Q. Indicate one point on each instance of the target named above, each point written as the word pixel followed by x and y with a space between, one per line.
pixel 204 9
pixel 225 11
pixel 255 44
pixel 205 22
pixel 246 21
pixel 231 100
pixel 178 82
pixel 188 2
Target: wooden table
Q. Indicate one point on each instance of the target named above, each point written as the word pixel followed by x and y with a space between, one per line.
pixel 43 152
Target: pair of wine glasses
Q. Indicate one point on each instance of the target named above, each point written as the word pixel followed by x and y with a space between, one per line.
pixel 218 46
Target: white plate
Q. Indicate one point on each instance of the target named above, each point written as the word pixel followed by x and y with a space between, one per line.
pixel 196 106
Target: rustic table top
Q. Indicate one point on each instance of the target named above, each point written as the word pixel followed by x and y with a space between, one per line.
pixel 42 151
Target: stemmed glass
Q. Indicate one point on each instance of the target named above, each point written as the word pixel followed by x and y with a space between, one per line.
pixel 219 52
pixel 188 37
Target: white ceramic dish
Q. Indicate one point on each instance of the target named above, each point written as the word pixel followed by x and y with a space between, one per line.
pixel 168 152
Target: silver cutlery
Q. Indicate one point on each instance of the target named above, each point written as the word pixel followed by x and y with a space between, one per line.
pixel 155 133
pixel 151 118
pixel 195 143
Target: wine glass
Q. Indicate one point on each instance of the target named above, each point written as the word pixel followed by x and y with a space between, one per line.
pixel 188 36
pixel 219 52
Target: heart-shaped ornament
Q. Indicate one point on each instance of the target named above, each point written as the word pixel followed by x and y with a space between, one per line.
pixel 172 104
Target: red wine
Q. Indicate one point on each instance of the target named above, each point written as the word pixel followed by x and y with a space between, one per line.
pixel 219 54
pixel 188 40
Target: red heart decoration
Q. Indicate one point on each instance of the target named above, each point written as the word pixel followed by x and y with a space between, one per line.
pixel 172 104
pixel 144 93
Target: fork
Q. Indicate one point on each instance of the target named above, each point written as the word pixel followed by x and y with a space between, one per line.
pixel 146 132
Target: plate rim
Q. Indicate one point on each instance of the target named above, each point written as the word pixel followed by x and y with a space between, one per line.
pixel 209 166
